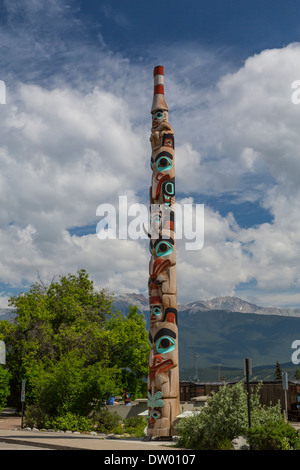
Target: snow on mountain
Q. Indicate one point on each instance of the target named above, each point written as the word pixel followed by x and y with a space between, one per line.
pixel 121 302
pixel 234 304
pixel 230 304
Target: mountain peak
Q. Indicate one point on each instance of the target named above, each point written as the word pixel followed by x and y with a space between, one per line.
pixel 232 304
pixel 226 303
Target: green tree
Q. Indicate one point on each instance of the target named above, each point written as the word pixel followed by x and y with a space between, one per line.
pixel 297 374
pixel 71 386
pixel 278 372
pixel 71 321
pixel 130 349
pixel 4 387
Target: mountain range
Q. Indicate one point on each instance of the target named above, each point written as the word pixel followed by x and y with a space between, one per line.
pixel 225 330
pixel 230 304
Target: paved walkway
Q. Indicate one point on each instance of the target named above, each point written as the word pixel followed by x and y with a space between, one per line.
pixel 10 431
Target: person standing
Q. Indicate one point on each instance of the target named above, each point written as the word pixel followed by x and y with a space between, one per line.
pixel 126 397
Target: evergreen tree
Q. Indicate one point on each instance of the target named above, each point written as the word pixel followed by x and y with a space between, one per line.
pixel 278 372
pixel 297 374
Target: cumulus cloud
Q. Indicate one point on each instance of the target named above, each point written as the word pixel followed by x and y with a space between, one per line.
pixel 76 135
pixel 62 154
pixel 261 119
pixel 260 132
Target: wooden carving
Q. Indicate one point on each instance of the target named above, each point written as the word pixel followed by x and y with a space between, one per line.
pixel 163 379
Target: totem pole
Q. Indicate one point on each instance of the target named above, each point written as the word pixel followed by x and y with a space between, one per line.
pixel 163 379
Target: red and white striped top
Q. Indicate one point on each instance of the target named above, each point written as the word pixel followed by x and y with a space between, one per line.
pixel 158 75
pixel 159 101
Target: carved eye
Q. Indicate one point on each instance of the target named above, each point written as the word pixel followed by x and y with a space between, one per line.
pixel 156 310
pixel 158 114
pixel 155 414
pixel 164 163
pixel 165 344
pixel 163 249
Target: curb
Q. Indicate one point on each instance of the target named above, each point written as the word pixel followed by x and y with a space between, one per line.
pixel 10 440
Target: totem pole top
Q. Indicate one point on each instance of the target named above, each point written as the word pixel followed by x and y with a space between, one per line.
pixel 159 101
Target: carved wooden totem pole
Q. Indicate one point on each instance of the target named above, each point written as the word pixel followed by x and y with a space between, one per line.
pixel 163 379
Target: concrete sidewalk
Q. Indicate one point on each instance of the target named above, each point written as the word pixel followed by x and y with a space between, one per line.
pixel 10 431
pixel 64 441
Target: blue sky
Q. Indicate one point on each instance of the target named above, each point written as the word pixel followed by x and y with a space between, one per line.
pixel 75 134
pixel 246 27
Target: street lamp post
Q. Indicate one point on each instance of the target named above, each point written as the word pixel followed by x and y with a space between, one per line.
pixel 248 372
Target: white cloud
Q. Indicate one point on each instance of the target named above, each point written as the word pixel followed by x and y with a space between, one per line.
pixel 69 143
pixel 218 266
pixel 260 116
pixel 260 131
pixel 62 154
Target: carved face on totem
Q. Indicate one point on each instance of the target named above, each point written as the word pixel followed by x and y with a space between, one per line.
pixel 159 414
pixel 159 313
pixel 156 308
pixel 155 404
pixel 158 117
pixel 164 354
pixel 163 363
pixel 163 171
pixel 162 162
pixel 163 255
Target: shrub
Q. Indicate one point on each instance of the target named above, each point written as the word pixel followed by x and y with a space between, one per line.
pixel 274 436
pixel 105 421
pixel 70 422
pixel 34 417
pixel 101 421
pixel 191 432
pixel 224 419
pixel 134 426
pixel 216 425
